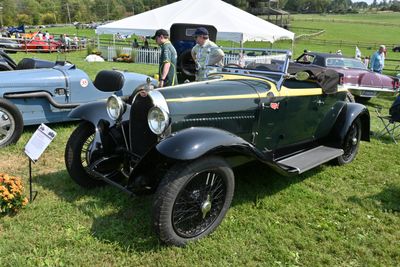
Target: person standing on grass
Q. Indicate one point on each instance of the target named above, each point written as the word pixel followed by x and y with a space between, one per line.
pixel 378 60
pixel 168 57
pixel 205 53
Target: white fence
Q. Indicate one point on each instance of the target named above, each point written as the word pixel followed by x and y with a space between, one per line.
pixel 146 56
pixel 151 56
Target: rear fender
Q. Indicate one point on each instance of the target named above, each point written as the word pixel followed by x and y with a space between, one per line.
pixel 349 113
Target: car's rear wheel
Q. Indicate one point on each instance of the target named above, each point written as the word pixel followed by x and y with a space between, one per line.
pixel 192 200
pixel 11 123
pixel 78 158
pixel 351 143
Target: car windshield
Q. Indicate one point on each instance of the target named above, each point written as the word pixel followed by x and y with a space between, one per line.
pixel 264 62
pixel 349 63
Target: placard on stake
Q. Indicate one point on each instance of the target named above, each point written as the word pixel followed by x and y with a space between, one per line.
pixel 35 147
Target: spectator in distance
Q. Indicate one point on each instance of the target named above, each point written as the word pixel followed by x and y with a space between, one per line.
pixel 378 59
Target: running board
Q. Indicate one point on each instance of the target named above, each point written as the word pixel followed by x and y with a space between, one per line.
pixel 309 159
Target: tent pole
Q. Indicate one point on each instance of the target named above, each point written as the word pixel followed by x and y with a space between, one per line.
pixel 293 46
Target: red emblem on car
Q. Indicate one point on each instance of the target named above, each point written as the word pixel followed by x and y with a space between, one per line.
pixel 274 105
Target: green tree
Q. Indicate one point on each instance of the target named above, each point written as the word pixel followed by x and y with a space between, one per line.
pixel 9 12
pixel 47 18
pixel 23 19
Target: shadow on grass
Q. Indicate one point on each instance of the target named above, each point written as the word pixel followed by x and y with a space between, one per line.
pixel 387 200
pixel 130 225
pixel 116 217
pixel 255 181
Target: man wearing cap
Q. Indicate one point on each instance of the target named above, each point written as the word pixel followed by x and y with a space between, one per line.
pixel 168 56
pixel 205 53
pixel 378 60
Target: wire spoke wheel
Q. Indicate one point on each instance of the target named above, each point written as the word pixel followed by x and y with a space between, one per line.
pixel 351 143
pixel 198 204
pixel 192 199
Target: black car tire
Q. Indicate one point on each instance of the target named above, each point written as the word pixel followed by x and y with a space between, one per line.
pixel 10 132
pixel 202 189
pixel 350 98
pixel 75 157
pixel 351 143
pixel 5 67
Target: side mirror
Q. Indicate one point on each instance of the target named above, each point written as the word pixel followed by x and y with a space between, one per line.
pixel 302 76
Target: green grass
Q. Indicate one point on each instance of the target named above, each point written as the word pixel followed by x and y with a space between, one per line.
pixel 335 216
pixel 90 68
pixel 378 18
pixel 329 216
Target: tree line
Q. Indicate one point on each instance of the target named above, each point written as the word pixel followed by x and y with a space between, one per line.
pixel 35 12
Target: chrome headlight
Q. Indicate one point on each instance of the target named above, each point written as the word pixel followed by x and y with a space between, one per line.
pixel 115 107
pixel 158 120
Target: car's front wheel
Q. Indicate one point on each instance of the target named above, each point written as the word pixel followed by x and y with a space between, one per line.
pixel 78 158
pixel 192 199
pixel 351 143
pixel 11 123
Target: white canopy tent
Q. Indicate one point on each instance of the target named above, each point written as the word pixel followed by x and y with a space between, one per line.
pixel 232 23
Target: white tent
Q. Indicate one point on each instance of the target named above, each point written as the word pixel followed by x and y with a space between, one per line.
pixel 231 22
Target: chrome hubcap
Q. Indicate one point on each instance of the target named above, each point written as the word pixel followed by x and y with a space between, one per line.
pixel 354 141
pixel 206 206
pixel 7 126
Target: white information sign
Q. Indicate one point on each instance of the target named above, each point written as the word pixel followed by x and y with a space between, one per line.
pixel 39 141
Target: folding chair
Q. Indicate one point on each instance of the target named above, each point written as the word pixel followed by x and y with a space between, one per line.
pixel 390 126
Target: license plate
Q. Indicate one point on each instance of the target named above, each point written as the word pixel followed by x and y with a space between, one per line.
pixel 368 93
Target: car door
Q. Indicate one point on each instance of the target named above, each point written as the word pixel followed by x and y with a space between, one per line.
pixel 293 115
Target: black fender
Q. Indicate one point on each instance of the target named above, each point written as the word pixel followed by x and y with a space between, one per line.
pixel 192 143
pixel 95 111
pixel 348 114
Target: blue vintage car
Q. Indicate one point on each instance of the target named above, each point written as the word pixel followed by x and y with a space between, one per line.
pixel 34 96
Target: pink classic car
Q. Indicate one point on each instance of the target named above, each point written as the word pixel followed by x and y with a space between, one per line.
pixel 357 78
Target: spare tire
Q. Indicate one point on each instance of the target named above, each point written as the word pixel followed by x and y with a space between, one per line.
pixel 186 63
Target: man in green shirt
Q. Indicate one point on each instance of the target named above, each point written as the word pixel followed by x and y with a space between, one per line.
pixel 168 57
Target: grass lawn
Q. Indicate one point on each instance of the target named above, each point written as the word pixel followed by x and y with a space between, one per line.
pixel 329 216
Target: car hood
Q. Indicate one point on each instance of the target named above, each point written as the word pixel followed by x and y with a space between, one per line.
pixel 231 105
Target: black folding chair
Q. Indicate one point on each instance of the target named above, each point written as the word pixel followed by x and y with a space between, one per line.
pixel 390 126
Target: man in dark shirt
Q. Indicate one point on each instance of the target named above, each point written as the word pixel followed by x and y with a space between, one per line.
pixel 168 57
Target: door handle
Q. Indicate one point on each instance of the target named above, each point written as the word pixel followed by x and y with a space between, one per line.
pixel 319 102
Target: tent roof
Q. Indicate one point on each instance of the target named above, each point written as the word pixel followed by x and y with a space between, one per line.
pixel 232 23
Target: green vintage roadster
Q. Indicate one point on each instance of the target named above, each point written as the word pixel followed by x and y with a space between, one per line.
pixel 182 142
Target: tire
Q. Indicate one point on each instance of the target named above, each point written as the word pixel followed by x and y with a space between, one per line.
pixel 350 98
pixel 5 67
pixel 76 160
pixel 351 143
pixel 202 189
pixel 11 123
